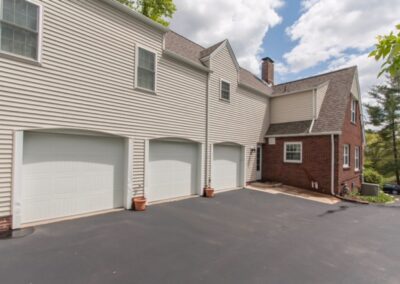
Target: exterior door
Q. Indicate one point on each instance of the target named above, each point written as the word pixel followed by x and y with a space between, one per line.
pixel 259 162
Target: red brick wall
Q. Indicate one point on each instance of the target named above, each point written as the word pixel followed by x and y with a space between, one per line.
pixel 5 223
pixel 316 164
pixel 352 135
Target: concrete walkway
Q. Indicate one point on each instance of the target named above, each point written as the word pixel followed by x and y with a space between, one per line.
pixel 294 192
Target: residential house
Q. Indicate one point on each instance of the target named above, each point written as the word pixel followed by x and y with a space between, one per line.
pixel 99 104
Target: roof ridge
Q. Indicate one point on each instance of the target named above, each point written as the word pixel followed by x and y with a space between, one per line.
pixel 187 39
pixel 318 75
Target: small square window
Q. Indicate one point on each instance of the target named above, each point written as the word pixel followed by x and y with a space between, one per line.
pixel 293 152
pixel 225 90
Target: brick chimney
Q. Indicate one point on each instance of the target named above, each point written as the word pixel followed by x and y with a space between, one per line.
pixel 267 70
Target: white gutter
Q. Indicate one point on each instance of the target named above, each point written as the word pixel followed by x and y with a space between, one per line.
pixel 207 148
pixel 332 164
pixel 123 8
pixel 185 60
pixel 250 88
pixel 304 134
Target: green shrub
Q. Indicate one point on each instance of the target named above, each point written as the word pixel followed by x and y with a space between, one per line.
pixel 371 176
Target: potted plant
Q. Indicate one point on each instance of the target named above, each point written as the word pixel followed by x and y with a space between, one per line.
pixel 209 192
pixel 139 203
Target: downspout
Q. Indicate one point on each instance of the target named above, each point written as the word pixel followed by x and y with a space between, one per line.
pixel 332 164
pixel 314 109
pixel 207 148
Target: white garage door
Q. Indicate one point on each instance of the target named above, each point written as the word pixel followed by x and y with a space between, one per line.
pixel 65 175
pixel 226 167
pixel 173 170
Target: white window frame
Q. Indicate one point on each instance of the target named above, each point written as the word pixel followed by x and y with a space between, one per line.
pixel 137 67
pixel 346 156
pixel 357 158
pixel 220 90
pixel 39 40
pixel 301 152
pixel 353 110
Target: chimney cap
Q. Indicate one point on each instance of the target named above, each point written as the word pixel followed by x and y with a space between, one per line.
pixel 267 59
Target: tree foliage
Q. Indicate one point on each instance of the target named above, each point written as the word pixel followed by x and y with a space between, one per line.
pixel 388 49
pixel 385 114
pixel 157 10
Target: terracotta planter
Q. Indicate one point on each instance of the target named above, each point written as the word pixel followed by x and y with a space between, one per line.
pixel 139 203
pixel 209 192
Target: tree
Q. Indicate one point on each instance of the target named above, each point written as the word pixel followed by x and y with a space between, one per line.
pixel 385 113
pixel 388 49
pixel 156 10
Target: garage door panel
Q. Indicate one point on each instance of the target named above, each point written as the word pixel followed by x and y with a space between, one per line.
pixel 66 175
pixel 227 167
pixel 173 170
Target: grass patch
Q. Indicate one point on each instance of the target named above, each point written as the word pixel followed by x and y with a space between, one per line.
pixel 380 198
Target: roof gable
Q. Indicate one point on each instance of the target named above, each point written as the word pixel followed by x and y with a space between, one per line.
pixel 334 104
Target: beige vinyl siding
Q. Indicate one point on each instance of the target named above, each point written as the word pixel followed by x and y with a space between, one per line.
pixel 354 88
pixel 292 107
pixel 86 81
pixel 243 120
pixel 320 93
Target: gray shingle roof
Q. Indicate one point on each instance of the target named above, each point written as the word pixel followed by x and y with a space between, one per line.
pixel 297 127
pixel 186 48
pixel 334 105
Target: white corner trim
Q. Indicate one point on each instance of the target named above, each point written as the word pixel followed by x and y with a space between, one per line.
pixel 146 167
pixel 301 152
pixel 128 172
pixel 244 170
pixel 16 206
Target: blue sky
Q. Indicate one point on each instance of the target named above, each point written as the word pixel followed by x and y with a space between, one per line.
pixel 304 37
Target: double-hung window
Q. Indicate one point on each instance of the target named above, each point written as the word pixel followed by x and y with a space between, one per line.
pixel 346 155
pixel 357 158
pixel 293 152
pixel 225 90
pixel 146 69
pixel 353 110
pixel 19 28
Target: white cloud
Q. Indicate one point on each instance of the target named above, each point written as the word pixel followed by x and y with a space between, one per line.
pixel 330 29
pixel 243 22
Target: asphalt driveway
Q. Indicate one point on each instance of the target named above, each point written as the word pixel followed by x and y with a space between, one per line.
pixel 240 236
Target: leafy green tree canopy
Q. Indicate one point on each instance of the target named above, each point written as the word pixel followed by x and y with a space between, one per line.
pixel 157 10
pixel 388 49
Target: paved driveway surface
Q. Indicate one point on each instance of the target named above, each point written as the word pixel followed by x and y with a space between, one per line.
pixel 240 236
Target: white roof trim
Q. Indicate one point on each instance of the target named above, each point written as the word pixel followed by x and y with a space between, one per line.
pixel 123 8
pixel 185 60
pixel 251 88
pixel 304 134
pixel 302 90
pixel 222 45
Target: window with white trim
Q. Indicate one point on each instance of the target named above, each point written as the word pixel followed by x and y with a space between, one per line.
pixel 353 110
pixel 293 152
pixel 146 69
pixel 225 90
pixel 357 158
pixel 19 28
pixel 346 155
